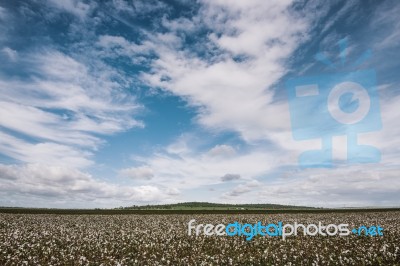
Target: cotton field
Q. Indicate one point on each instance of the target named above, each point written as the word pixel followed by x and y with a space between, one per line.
pixel 49 239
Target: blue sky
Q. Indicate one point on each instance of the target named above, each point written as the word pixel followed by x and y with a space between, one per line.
pixel 110 103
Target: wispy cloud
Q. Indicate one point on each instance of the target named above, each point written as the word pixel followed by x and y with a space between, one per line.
pixel 141 172
pixel 387 27
pixel 44 152
pixel 11 54
pixel 346 186
pixel 63 103
pixel 75 7
pixel 194 169
pixel 230 177
pixel 65 186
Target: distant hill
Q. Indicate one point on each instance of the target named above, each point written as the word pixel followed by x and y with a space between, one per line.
pixel 215 206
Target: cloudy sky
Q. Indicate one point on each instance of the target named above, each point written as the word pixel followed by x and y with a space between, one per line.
pixel 115 103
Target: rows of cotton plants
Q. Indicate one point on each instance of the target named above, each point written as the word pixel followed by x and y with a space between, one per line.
pixel 36 239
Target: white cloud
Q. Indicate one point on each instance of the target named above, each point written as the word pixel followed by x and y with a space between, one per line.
pixel 3 13
pixel 238 191
pixel 45 125
pixel 11 54
pixel 193 169
pixel 230 177
pixel 122 5
pixel 180 147
pixel 141 172
pixel 222 150
pixel 44 152
pixel 370 185
pixel 258 178
pixel 387 139
pixel 179 24
pixel 64 186
pixel 117 45
pixel 387 26
pixel 241 189
pixel 63 104
pixel 234 95
pixel 138 8
pixel 144 7
pixel 75 7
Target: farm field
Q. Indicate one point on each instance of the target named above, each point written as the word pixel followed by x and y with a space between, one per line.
pixel 131 239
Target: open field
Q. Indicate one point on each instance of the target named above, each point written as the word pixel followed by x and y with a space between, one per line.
pixel 187 211
pixel 42 239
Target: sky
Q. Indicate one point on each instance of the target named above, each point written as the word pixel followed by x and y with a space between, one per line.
pixel 120 103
